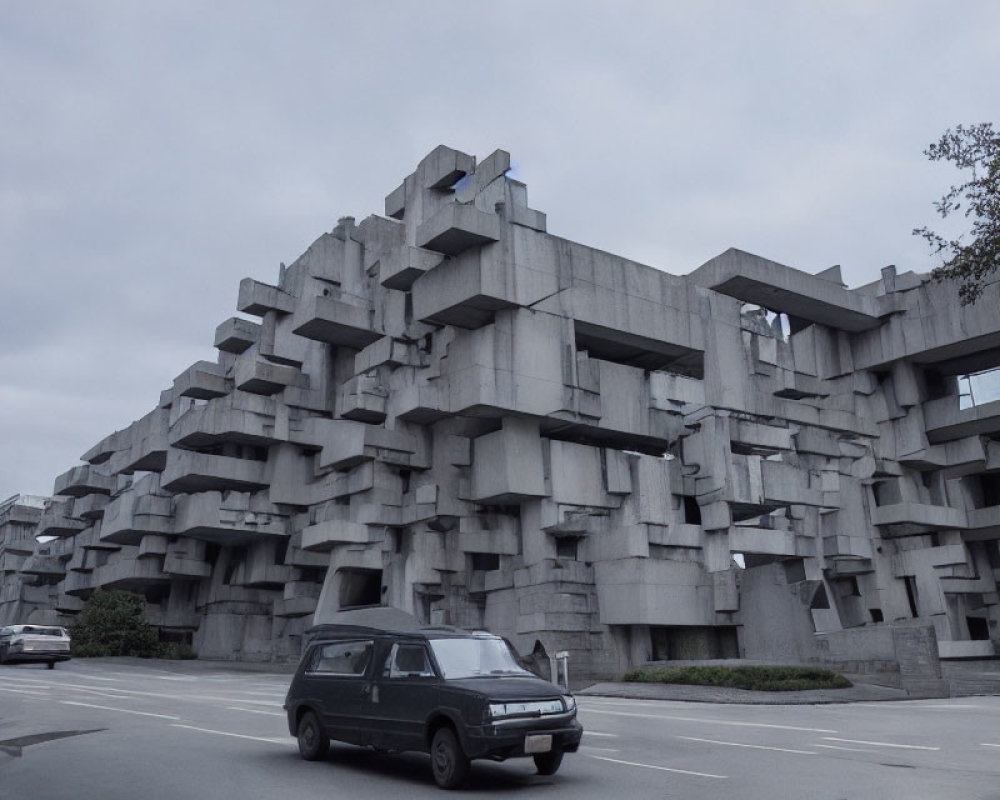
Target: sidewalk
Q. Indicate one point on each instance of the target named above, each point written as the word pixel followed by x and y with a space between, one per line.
pixel 859 693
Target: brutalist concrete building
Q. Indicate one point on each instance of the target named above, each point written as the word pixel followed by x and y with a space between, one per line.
pixel 449 411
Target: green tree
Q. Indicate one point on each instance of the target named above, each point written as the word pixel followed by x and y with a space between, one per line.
pixel 971 262
pixel 113 623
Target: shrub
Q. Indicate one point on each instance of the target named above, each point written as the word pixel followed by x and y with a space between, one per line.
pixel 113 623
pixel 760 678
pixel 177 651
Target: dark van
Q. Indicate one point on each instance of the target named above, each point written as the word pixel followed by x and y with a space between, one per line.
pixel 454 694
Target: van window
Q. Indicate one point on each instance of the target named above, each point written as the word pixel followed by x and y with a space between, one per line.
pixel 342 658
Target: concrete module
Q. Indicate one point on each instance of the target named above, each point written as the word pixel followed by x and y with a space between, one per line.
pixel 448 411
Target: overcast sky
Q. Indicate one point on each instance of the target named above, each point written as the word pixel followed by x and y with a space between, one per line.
pixel 153 154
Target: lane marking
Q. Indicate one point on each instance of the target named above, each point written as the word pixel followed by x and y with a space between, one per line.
pixel 987 744
pixel 235 735
pixel 29 692
pixel 713 721
pixel 664 769
pixel 836 747
pixel 882 744
pixel 598 733
pixel 256 711
pixel 752 746
pixel 122 710
pixel 600 749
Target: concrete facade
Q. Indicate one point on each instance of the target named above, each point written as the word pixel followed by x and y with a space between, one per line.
pixel 449 411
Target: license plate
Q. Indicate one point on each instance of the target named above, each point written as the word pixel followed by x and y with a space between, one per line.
pixel 538 743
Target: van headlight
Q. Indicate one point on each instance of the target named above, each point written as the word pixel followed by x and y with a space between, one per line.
pixel 569 701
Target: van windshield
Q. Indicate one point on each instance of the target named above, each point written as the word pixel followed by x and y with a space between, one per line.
pixel 473 657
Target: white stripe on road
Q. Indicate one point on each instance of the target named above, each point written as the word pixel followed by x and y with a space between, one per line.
pixel 600 749
pixel 30 693
pixel 235 735
pixel 987 744
pixel 256 711
pixel 122 710
pixel 837 747
pixel 881 744
pixel 597 733
pixel 711 721
pixel 752 746
pixel 655 766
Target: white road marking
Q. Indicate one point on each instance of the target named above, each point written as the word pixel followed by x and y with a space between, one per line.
pixel 122 710
pixel 712 721
pixel 256 711
pixel 29 692
pixel 598 733
pixel 882 744
pixel 752 746
pixel 236 735
pixel 664 769
pixel 987 744
pixel 837 747
pixel 600 749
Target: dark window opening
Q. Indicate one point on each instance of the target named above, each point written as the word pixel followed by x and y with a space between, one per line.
pixel 360 587
pixel 404 474
pixel 692 511
pixel 911 593
pixel 855 590
pixel 819 599
pixel 567 547
pixel 989 489
pixel 877 615
pixel 979 628
pixel 237 556
pixel 485 561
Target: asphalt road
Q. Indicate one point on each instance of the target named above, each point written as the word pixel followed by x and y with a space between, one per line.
pixel 164 731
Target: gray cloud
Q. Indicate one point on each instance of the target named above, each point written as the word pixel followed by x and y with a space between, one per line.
pixel 154 154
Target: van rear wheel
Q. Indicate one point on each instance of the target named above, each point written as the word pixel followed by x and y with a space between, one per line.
pixel 548 763
pixel 314 744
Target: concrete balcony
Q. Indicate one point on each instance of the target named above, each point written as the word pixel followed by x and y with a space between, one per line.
pixel 465 291
pixel 248 421
pixel 325 319
pixel 83 480
pixel 203 381
pixel 236 335
pixel 258 298
pixel 58 520
pixel 79 584
pixel 258 376
pixel 229 520
pixel 399 268
pixel 457 227
pixel 419 403
pixel 763 541
pixel 945 421
pixel 324 536
pixel 131 574
pixel 909 519
pixel 363 399
pixel 90 507
pixel 847 548
pixel 137 512
pixel 145 447
pixel 188 471
pixel 983 524
pixel 295 606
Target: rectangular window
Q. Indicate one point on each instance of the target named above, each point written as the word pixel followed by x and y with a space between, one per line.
pixel 343 658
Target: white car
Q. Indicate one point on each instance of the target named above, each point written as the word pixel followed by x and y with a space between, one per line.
pixel 34 644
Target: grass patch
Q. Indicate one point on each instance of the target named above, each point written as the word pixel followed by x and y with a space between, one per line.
pixel 759 678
